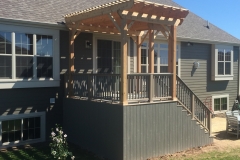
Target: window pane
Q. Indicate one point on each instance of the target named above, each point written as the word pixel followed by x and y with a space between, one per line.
pixel 4 126
pixel 11 125
pixel 223 103
pixel 144 45
pixel 5 67
pixel 24 67
pixel 220 68
pixel 143 56
pixel 37 133
pixel 17 135
pixel 5 137
pixel 31 122
pixel 5 43
pixel 163 56
pixel 25 135
pixel 155 56
pixel 44 67
pixel 143 69
pixel 37 122
pixel 163 45
pixel 163 69
pixel 227 67
pixel 24 43
pixel 44 45
pixel 18 124
pixel 220 55
pixel 228 56
pixel 217 104
pixel 25 123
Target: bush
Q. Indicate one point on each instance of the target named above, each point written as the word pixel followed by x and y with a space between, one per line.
pixel 59 146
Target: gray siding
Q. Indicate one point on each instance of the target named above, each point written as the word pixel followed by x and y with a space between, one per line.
pixel 29 100
pixel 95 126
pixel 153 130
pixel 134 132
pixel 199 80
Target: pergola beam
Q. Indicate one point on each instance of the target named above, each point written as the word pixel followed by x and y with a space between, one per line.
pixel 147 18
pixel 99 10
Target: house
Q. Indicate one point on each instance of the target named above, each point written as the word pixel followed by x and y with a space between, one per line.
pixel 84 64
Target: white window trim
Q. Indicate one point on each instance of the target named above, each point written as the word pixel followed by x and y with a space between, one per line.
pixel 220 96
pixel 214 60
pixel 33 82
pixel 42 116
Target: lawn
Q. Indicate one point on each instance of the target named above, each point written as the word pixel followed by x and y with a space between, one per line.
pixel 229 154
pixel 42 152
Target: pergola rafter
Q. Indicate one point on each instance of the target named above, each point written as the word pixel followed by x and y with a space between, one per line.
pixel 130 17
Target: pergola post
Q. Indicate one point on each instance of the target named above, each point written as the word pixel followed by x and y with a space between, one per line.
pixel 71 63
pixel 151 63
pixel 172 60
pixel 139 54
pixel 124 65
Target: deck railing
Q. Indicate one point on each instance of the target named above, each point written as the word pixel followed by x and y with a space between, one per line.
pixel 146 86
pixel 141 86
pixel 193 105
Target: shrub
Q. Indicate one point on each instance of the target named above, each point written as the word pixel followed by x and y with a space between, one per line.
pixel 59 146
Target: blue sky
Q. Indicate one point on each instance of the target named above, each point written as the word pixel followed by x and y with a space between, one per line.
pixel 225 14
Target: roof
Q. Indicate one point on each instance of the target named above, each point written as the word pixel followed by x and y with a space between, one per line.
pixel 52 12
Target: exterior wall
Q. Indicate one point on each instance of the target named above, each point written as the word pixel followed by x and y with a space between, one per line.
pixel 83 62
pixel 134 132
pixel 152 130
pixel 30 100
pixel 95 126
pixel 199 80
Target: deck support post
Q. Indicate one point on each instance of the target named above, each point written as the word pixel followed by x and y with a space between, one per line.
pixel 172 60
pixel 71 62
pixel 193 106
pixel 124 64
pixel 151 63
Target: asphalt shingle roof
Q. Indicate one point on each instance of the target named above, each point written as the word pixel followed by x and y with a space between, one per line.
pixel 52 12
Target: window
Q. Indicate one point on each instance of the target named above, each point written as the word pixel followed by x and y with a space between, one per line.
pixel 18 129
pixel 29 57
pixel 222 63
pixel 5 55
pixel 220 103
pixel 160 58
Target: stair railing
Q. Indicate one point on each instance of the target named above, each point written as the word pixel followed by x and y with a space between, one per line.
pixel 194 105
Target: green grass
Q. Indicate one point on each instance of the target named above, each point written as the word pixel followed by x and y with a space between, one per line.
pixel 230 154
pixel 42 152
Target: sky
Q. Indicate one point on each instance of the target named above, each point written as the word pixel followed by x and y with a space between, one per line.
pixel 224 14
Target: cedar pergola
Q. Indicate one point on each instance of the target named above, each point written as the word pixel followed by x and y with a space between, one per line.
pixel 129 18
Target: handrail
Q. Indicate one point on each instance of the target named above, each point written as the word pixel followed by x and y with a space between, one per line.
pixel 190 101
pixel 179 79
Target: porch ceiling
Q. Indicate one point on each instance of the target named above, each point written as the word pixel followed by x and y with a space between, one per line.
pixel 139 14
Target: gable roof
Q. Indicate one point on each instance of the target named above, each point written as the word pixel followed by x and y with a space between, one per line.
pixel 52 12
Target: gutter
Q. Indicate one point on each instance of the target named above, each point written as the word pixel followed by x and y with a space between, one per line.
pixel 20 22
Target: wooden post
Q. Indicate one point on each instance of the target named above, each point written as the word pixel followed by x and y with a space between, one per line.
pixel 151 52
pixel 172 60
pixel 71 62
pixel 151 63
pixel 193 106
pixel 124 64
pixel 139 54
